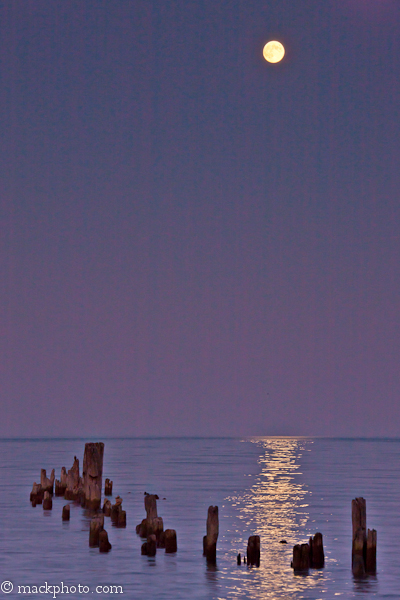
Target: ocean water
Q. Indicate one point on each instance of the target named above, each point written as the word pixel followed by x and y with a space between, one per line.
pixel 278 488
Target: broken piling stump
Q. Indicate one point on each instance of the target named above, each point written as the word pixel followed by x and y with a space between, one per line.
pixel 370 560
pixel 301 558
pixel 108 485
pixel 47 501
pixel 151 545
pixel 152 524
pixel 96 526
pixel 74 489
pixel 107 506
pixel 253 551
pixel 115 510
pixel 363 555
pixel 239 559
pixel 66 511
pixel 357 555
pixel 210 539
pixel 36 496
pixel 169 541
pixel 121 521
pixel 150 505
pixel 61 485
pixel 92 474
pixel 104 544
pixel 46 483
pixel 317 557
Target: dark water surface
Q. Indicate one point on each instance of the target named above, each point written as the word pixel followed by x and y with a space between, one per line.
pixel 278 488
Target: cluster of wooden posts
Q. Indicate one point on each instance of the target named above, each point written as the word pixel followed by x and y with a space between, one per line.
pixel 151 528
pixel 86 490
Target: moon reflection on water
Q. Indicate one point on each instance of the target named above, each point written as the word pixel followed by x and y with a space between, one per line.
pixel 275 508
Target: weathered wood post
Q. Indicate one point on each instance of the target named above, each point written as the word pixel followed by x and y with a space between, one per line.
pixel 370 561
pixel 253 550
pixel 121 522
pixel 317 557
pixel 210 540
pixel 301 557
pixel 151 545
pixel 108 485
pixel 357 555
pixel 73 482
pixel 92 474
pixel 66 511
pixel 115 510
pixel 96 526
pixel 170 541
pixel 47 501
pixel 104 544
pixel 46 483
pixel 150 504
pixel 61 485
pixel 37 494
pixel 363 555
pixel 107 506
pixel 149 548
pixel 152 524
pixel 239 559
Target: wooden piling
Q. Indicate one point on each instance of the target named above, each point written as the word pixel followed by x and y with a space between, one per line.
pixel 253 551
pixel 46 483
pixel 107 506
pixel 108 485
pixel 301 557
pixel 96 526
pixel 170 542
pixel 317 557
pixel 92 474
pixel 66 512
pixel 210 539
pixel 37 493
pixel 47 501
pixel 74 483
pixel 370 560
pixel 104 544
pixel 363 555
pixel 150 505
pixel 61 484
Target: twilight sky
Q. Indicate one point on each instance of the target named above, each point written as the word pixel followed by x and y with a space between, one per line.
pixel 194 241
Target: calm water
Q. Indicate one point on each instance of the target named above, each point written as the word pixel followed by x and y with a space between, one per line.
pixel 278 488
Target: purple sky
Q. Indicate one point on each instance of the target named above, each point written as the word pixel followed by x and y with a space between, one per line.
pixel 193 241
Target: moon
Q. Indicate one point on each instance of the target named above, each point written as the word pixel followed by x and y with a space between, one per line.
pixel 273 51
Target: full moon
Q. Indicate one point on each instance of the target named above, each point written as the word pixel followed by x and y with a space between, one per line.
pixel 273 52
